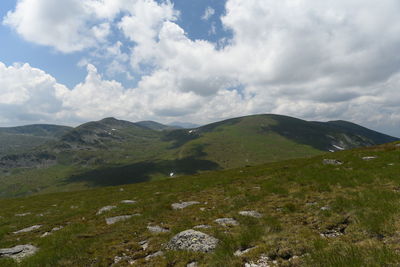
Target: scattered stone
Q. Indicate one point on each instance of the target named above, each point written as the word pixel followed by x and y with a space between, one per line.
pixel 23 214
pixel 332 162
pixel 369 158
pixel 128 201
pixel 240 252
pixel 18 252
pixel 325 208
pixel 192 264
pixel 45 234
pixel 116 219
pixel 144 244
pixel 104 209
pixel 157 229
pixel 227 222
pixel 182 205
pixel 202 226
pixel 156 254
pixel 74 207
pixel 331 233
pixel 250 213
pixel 202 209
pixel 262 262
pixel 121 190
pixel 28 229
pixel 192 240
pixel 118 259
pixel 57 228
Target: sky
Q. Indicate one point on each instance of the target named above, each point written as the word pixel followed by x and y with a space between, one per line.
pixel 200 61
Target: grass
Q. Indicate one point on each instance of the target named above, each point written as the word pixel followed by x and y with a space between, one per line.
pixel 360 199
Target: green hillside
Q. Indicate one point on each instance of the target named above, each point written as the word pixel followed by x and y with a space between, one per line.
pixel 335 209
pixel 21 138
pixel 115 152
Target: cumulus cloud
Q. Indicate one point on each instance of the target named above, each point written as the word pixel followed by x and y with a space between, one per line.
pixel 332 59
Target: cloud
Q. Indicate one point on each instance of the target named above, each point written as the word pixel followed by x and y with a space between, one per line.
pixel 317 60
pixel 208 13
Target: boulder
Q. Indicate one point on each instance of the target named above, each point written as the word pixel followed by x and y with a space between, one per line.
pixel 18 252
pixel 192 240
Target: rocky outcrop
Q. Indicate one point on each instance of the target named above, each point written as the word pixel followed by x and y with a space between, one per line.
pixel 18 252
pixel 192 240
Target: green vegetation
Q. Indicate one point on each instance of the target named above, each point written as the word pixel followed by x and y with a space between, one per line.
pixel 313 215
pixel 114 152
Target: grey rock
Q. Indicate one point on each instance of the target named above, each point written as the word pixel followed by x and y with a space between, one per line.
pixel 192 240
pixel 182 205
pixel 369 158
pixel 241 252
pixel 18 252
pixel 144 244
pixel 28 229
pixel 332 162
pixel 128 201
pixel 116 219
pixel 250 213
pixel 262 262
pixel 325 208
pixel 156 254
pixel 192 264
pixel 104 209
pixel 157 229
pixel 202 226
pixel 227 222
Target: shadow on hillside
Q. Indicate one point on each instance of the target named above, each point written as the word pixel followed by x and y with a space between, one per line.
pixel 142 171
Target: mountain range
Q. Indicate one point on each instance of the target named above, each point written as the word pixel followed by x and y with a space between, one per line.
pixel 50 158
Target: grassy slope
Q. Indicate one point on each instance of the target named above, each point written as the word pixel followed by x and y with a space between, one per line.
pixel 244 142
pixel 363 199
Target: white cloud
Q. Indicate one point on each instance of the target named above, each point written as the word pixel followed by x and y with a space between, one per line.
pixel 208 13
pixel 332 59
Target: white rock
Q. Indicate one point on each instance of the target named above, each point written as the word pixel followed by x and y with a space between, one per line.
pixel 28 229
pixel 23 214
pixel 18 252
pixel 192 240
pixel 157 229
pixel 240 252
pixel 116 219
pixel 182 205
pixel 156 254
pixel 250 213
pixel 104 209
pixel 227 222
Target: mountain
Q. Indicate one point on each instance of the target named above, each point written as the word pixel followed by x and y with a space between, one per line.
pixel 335 209
pixel 115 152
pixel 156 126
pixel 16 139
